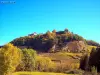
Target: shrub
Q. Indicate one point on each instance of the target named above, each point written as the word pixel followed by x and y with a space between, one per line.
pixel 94 70
pixel 63 67
pixel 9 59
pixel 44 64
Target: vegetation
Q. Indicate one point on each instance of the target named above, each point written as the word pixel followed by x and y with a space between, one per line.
pixel 28 61
pixel 9 58
pixel 94 59
pixel 89 62
pixel 92 43
pixel 44 42
pixel 63 61
pixel 44 64
pixel 39 73
pixel 89 48
pixel 84 62
pixel 94 70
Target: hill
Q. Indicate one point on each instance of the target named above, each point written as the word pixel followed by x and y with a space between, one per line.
pixel 54 41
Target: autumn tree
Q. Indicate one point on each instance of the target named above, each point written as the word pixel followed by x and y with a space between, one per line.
pixel 10 57
pixel 48 33
pixel 54 31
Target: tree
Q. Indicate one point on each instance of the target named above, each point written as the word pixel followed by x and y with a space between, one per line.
pixel 84 62
pixel 77 37
pixel 28 60
pixel 66 30
pixel 10 57
pixel 54 31
pixel 94 59
pixel 48 33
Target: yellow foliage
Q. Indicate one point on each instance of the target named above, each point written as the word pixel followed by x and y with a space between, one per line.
pixel 44 63
pixel 51 35
pixel 75 65
pixel 9 59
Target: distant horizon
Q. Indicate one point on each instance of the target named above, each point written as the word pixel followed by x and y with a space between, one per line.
pixel 20 18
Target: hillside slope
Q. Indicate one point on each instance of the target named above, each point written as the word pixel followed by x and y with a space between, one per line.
pixel 53 42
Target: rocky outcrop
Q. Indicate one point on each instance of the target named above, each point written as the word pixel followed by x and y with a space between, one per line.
pixel 75 46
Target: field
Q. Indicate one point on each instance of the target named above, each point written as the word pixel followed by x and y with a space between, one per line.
pixel 39 73
pixel 64 60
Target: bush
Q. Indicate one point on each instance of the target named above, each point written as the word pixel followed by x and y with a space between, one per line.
pixel 9 59
pixel 44 64
pixel 94 70
pixel 63 67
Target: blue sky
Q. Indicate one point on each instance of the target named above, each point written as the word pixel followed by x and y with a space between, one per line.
pixel 27 16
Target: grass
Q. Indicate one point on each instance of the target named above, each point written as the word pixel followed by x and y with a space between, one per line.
pixel 61 55
pixel 40 73
pixel 90 48
pixel 68 60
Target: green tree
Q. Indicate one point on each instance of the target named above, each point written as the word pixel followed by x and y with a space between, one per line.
pixel 77 37
pixel 28 60
pixel 10 57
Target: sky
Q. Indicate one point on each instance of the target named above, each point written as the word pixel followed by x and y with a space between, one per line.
pixel 22 17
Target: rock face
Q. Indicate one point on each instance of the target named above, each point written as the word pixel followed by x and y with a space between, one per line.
pixel 75 46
